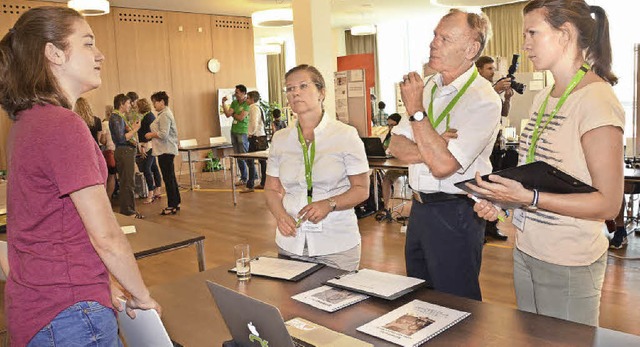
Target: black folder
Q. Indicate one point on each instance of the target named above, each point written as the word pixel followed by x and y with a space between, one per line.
pixel 538 175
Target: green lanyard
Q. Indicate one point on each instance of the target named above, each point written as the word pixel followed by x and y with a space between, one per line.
pixel 537 131
pixel 132 140
pixel 308 162
pixel 453 102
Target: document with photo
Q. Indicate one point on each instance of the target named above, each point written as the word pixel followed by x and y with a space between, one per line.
pixel 414 323
pixel 329 299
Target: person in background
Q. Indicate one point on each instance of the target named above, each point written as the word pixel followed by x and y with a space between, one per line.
pixel 63 239
pixel 380 118
pixel 164 136
pixel 134 114
pixel 108 152
pixel 444 236
pixel 560 254
pixel 239 111
pixel 148 164
pixel 255 131
pixel 278 123
pixel 317 173
pixel 83 109
pixel 487 69
pixel 390 176
pixel 124 137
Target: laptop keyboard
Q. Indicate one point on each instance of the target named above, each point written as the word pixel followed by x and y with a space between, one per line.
pixel 300 343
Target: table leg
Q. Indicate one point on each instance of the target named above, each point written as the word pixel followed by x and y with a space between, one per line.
pixel 200 253
pixel 375 189
pixel 234 174
pixel 190 171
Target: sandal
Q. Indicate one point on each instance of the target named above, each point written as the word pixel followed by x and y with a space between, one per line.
pixel 149 200
pixel 168 211
pixel 137 215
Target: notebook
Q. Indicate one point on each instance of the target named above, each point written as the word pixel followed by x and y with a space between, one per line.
pixel 374 148
pixel 376 283
pixel 252 322
pixel 414 323
pixel 145 330
pixel 538 175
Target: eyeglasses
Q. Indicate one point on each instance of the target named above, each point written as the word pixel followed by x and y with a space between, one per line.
pixel 304 86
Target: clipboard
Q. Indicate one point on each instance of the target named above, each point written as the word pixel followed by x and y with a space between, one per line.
pixel 297 276
pixel 369 283
pixel 538 175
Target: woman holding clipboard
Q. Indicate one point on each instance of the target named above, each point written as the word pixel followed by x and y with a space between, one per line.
pixel 576 125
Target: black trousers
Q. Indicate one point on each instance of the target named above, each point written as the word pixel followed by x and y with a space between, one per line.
pixel 169 178
pixel 125 164
pixel 444 246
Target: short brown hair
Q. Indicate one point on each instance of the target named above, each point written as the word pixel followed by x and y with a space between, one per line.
pixel 27 78
pixel 83 109
pixel 144 106
pixel 479 24
pixel 484 60
pixel 254 95
pixel 316 76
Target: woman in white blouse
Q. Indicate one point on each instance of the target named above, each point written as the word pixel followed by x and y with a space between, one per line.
pixel 317 173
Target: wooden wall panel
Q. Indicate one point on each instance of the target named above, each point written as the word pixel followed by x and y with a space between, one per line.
pixel 104 31
pixel 232 39
pixel 142 51
pixel 192 101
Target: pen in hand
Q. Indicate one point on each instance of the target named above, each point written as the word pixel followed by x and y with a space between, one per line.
pixel 500 216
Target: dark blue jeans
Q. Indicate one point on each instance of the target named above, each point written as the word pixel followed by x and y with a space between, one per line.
pixel 240 144
pixel 444 246
pixel 86 323
pixel 149 167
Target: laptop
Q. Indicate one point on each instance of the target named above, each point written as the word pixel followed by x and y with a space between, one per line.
pixel 374 148
pixel 253 323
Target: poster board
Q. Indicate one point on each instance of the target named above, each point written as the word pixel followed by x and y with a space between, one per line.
pixel 351 99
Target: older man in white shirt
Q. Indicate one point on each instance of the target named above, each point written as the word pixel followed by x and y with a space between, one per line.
pixel 445 237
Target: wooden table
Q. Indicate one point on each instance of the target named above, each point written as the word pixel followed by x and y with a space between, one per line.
pixel 151 239
pixel 203 147
pixel 260 155
pixel 192 318
pixel 384 164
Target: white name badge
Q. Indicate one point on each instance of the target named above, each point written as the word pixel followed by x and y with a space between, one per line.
pixel 519 217
pixel 309 227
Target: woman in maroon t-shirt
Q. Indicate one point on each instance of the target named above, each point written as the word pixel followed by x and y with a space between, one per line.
pixel 63 239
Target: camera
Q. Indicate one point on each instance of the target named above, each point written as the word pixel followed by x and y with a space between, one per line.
pixel 518 87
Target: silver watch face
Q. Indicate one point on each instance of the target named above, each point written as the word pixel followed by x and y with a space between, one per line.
pixel 418 116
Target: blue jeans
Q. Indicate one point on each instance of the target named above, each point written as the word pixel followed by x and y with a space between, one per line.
pixel 86 323
pixel 149 168
pixel 240 144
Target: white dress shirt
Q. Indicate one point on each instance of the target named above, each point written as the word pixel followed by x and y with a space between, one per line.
pixel 256 124
pixel 477 118
pixel 339 154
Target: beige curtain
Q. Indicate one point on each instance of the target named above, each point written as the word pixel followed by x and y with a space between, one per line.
pixel 364 44
pixel 275 75
pixel 506 22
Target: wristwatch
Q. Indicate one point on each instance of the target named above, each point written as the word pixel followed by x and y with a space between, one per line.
pixel 534 203
pixel 418 116
pixel 332 203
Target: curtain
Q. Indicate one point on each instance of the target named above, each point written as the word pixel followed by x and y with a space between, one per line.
pixel 364 44
pixel 275 75
pixel 507 22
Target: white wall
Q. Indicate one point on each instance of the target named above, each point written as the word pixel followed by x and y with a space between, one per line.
pixel 403 46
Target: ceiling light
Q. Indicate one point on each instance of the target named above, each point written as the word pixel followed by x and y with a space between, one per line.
pixel 280 17
pixel 90 7
pixel 360 30
pixel 267 49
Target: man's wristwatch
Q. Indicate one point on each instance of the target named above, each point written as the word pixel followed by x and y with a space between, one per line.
pixel 418 116
pixel 534 203
pixel 332 203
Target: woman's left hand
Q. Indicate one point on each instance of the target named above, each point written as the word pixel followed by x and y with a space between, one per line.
pixel 315 211
pixel 501 189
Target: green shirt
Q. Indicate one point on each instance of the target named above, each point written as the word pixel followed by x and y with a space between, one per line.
pixel 240 126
